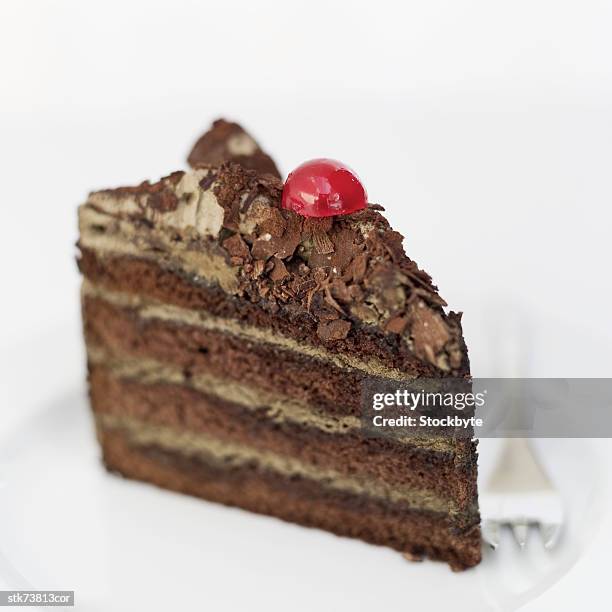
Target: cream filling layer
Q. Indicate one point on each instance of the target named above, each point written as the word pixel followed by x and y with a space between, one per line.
pixel 206 448
pixel 277 408
pixel 149 309
pixel 111 235
pixel 197 211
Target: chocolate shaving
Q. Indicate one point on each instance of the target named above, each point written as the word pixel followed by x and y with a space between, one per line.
pixel 292 236
pixel 313 225
pixel 207 181
pixel 346 246
pixel 364 313
pixel 330 300
pixel 397 325
pixel 329 331
pixel 393 243
pixel 258 268
pixel 357 268
pixel 356 292
pixel 340 291
pixel 429 331
pixel 237 247
pixel 322 244
pixel 249 199
pixel 147 188
pixel 273 223
pixel 263 248
pixel 163 200
pixel 279 271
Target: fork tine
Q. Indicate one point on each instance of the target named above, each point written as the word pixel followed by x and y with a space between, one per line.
pixel 550 534
pixel 520 530
pixel 490 533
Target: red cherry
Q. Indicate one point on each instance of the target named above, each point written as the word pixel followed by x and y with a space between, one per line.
pixel 323 188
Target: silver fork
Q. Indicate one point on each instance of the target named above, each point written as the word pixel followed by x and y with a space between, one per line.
pixel 520 495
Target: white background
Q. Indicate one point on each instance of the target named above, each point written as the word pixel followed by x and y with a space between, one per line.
pixel 484 128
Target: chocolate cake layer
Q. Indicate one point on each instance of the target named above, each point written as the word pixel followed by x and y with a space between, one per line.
pixel 261 428
pixel 280 407
pixel 298 500
pixel 211 448
pixel 121 331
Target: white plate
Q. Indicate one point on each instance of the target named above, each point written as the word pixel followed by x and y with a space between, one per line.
pixel 66 524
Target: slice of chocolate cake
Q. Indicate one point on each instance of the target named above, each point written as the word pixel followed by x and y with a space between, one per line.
pixel 228 340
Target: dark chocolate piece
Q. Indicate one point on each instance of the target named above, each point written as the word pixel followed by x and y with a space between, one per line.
pixel 226 141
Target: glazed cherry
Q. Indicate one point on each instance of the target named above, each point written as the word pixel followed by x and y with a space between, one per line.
pixel 323 188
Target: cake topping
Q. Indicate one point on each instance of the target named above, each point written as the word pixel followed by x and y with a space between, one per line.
pixel 323 188
pixel 336 274
pixel 226 141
